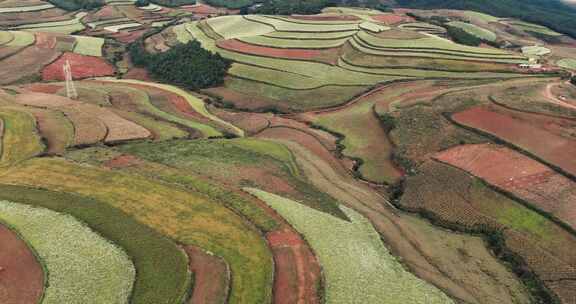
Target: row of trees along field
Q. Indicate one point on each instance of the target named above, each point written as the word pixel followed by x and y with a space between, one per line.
pixel 554 14
pixel 282 7
pixel 188 65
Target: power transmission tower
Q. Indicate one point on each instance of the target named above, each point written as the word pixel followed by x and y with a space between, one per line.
pixel 70 87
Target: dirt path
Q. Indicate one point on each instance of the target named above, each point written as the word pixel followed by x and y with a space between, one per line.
pixel 211 277
pixel 554 99
pixel 21 275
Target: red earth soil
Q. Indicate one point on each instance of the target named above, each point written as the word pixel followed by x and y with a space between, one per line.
pixel 45 40
pixel 519 175
pixel 138 74
pixel 251 123
pixel 21 275
pixel 211 277
pixel 129 36
pixel 201 9
pixel 295 266
pixel 44 88
pixel 123 161
pixel 325 17
pixel 26 63
pixel 82 67
pixel 392 19
pixel 550 141
pixel 245 48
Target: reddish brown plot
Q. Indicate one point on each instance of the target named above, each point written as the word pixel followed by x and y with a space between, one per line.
pixel 246 48
pixel 547 138
pixel 129 36
pixel 27 63
pixel 54 128
pixel 43 100
pixel 297 273
pixel 391 19
pixel 211 277
pixel 88 129
pixel 517 174
pixel 44 88
pixel 21 275
pixel 82 67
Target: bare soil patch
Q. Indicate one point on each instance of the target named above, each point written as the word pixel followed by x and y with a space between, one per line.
pixel 552 140
pixel 518 174
pixel 21 275
pixel 211 277
pixel 82 67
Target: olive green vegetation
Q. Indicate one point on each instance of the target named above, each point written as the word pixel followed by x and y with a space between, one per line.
pixel 161 266
pixel 220 157
pixel 20 139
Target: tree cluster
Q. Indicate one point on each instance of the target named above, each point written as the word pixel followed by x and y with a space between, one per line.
pixel 73 5
pixel 555 14
pixel 461 36
pixel 307 7
pixel 187 65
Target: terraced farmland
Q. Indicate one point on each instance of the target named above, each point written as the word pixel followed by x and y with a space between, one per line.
pixel 289 54
pixel 352 156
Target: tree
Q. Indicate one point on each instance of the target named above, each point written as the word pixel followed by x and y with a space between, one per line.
pixel 573 80
pixel 188 65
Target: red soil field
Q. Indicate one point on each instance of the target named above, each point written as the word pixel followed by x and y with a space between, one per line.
pixel 44 88
pixel 325 17
pixel 392 19
pixel 296 269
pixel 245 48
pixel 201 9
pixel 550 141
pixel 119 129
pixel 129 36
pixel 251 123
pixel 211 277
pixel 21 275
pixel 26 63
pixel 519 175
pixel 88 129
pixel 82 67
pixel 43 100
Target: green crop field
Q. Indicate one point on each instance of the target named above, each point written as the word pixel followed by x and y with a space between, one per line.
pixel 567 63
pixel 20 140
pixel 80 265
pixel 475 30
pixel 90 46
pixel 187 217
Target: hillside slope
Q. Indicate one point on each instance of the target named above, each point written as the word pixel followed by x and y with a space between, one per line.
pixel 554 14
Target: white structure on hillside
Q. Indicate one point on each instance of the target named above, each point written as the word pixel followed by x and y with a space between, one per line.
pixel 70 87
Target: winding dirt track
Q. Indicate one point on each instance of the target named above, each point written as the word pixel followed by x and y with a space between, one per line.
pixel 21 275
pixel 554 99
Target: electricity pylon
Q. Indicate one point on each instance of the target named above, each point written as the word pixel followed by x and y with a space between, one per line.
pixel 70 87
